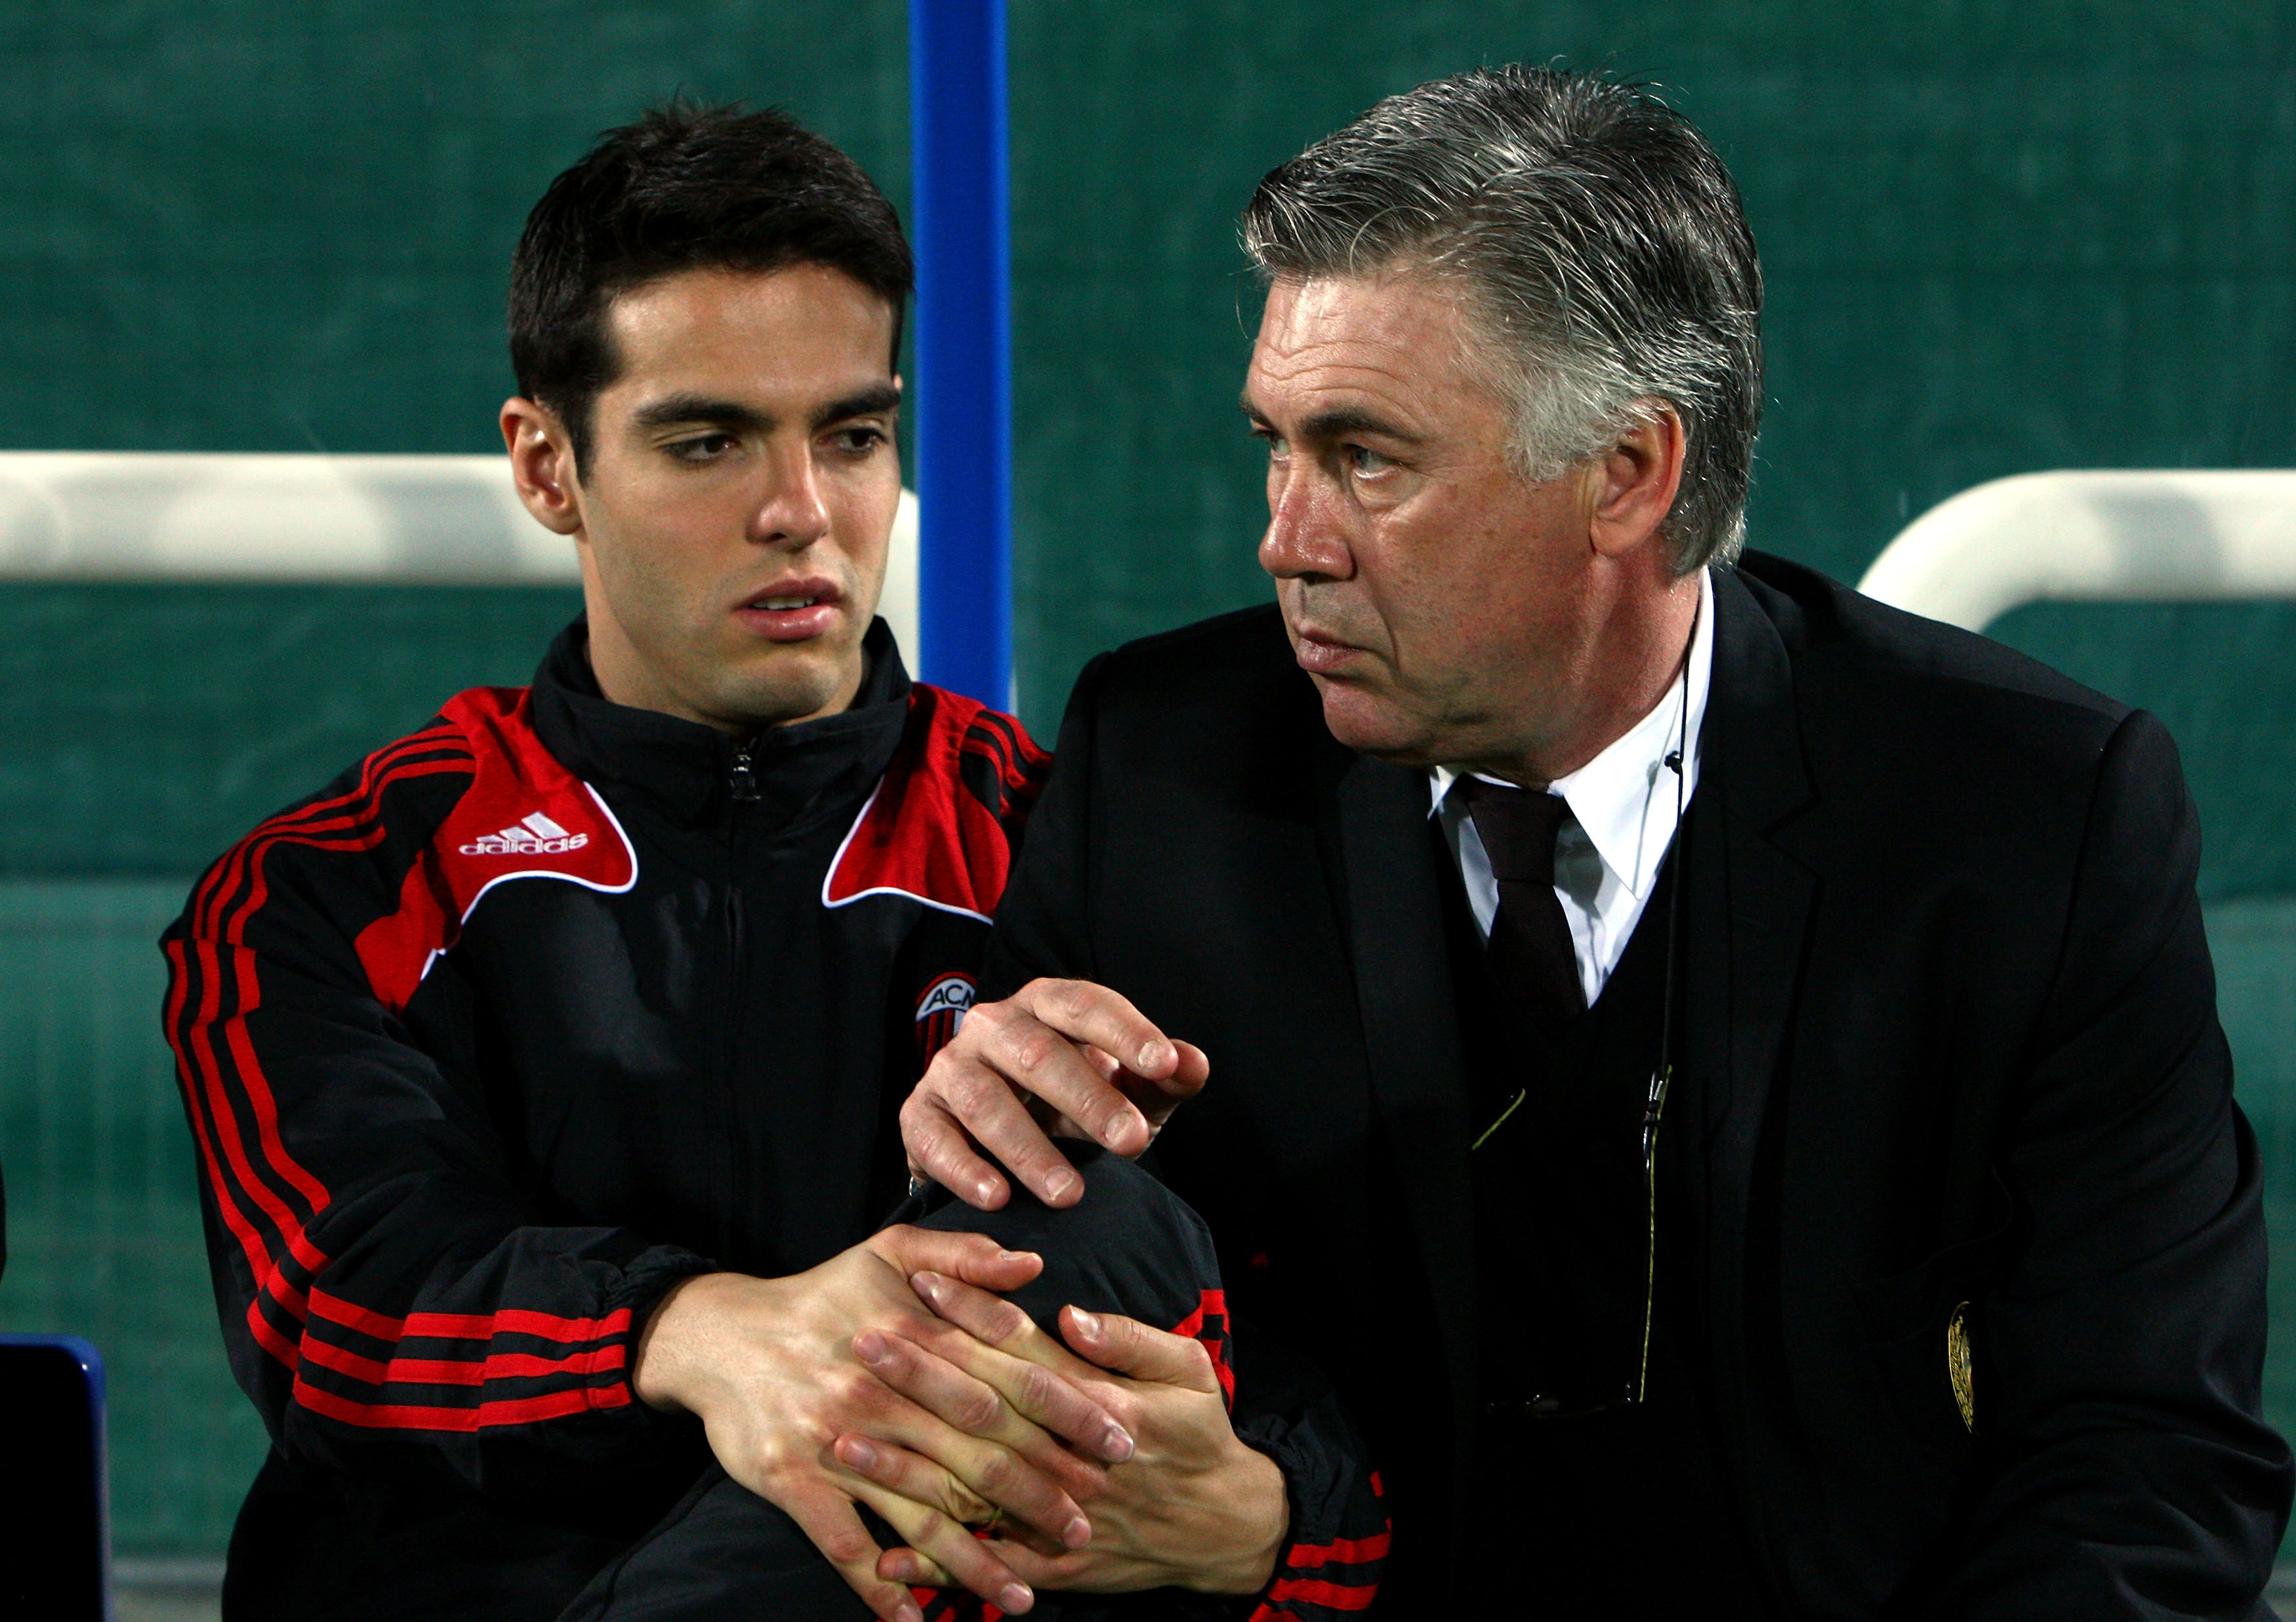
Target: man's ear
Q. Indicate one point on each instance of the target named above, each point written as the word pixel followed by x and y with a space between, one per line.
pixel 1636 481
pixel 541 464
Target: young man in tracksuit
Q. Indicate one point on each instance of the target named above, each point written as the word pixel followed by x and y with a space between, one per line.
pixel 543 1067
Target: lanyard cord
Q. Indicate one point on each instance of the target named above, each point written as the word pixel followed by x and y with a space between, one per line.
pixel 1678 761
pixel 1662 1078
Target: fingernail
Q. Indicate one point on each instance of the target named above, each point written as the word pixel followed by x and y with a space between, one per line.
pixel 869 1345
pixel 1012 1597
pixel 926 1284
pixel 1154 1053
pixel 1077 1533
pixel 860 1455
pixel 1061 1182
pixel 1016 1256
pixel 983 1191
pixel 1116 1446
pixel 908 1613
pixel 1087 1325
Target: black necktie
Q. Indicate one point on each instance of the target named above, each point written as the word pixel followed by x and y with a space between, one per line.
pixel 1531 958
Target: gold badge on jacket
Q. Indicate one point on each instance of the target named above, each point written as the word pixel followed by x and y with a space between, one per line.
pixel 1957 1367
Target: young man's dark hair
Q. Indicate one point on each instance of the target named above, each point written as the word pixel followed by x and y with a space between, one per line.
pixel 686 187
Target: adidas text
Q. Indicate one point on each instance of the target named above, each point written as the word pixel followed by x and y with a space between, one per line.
pixel 533 836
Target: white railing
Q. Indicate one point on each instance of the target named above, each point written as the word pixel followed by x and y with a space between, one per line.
pixel 198 516
pixel 2168 536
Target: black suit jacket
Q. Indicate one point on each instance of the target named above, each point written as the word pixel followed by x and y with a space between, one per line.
pixel 1950 1032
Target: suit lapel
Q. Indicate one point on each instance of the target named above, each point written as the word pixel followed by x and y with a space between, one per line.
pixel 1747 914
pixel 1752 762
pixel 1385 882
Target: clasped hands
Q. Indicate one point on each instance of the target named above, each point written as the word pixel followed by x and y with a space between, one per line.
pixel 893 1376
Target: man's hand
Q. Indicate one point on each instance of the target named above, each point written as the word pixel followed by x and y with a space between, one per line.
pixel 1194 1507
pixel 1063 1054
pixel 769 1366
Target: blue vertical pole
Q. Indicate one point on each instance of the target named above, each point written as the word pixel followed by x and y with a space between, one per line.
pixel 964 393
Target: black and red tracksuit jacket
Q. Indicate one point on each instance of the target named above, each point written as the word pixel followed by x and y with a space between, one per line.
pixel 526 1017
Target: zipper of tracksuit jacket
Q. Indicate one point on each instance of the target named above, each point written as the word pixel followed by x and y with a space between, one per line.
pixel 742 786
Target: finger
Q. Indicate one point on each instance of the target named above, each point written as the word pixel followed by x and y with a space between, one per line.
pixel 948 1543
pixel 990 1393
pixel 1031 1476
pixel 1041 1568
pixel 1044 1055
pixel 974 1258
pixel 827 1517
pixel 1085 1012
pixel 911 1569
pixel 914 1476
pixel 1157 1097
pixel 997 1323
pixel 991 1450
pixel 1126 1346
pixel 997 1475
pixel 940 1150
pixel 1189 1075
pixel 921 1480
pixel 982 1090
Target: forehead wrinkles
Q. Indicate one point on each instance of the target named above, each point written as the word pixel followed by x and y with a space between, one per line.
pixel 1334 368
pixel 1401 337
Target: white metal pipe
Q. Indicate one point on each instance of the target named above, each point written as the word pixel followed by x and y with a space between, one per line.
pixel 233 517
pixel 2166 536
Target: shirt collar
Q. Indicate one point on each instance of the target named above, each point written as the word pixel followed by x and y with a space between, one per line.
pixel 806 768
pixel 1624 796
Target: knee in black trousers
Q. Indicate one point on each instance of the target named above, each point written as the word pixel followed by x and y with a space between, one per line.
pixel 1130 1247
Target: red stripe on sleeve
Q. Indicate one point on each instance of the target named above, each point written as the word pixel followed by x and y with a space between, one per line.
pixel 513 1411
pixel 1343 1550
pixel 258 1256
pixel 191 1029
pixel 198 1064
pixel 439 1371
pixel 467 1326
pixel 1329 1595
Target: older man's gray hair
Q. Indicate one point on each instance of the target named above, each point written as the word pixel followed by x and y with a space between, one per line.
pixel 1603 245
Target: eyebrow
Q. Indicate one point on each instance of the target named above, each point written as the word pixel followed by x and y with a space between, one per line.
pixel 1338 424
pixel 873 401
pixel 1343 423
pixel 677 408
pixel 699 408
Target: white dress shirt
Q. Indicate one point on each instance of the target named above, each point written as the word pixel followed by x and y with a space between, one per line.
pixel 1622 812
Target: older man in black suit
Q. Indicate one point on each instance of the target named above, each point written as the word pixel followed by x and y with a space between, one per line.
pixel 1723 1074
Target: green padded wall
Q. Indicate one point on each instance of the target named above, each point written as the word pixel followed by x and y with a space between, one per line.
pixel 1999 237
pixel 283 225
pixel 144 728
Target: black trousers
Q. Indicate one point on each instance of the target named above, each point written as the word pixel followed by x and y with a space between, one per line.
pixel 724 1555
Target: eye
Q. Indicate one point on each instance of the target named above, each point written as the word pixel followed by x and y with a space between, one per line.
pixel 860 439
pixel 1274 441
pixel 1367 461
pixel 702 447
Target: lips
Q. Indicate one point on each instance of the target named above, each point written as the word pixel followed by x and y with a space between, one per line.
pixel 791 610
pixel 1321 655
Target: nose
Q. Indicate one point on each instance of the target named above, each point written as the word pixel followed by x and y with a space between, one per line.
pixel 1304 538
pixel 794 513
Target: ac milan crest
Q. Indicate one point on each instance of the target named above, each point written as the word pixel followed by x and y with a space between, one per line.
pixel 940 1011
